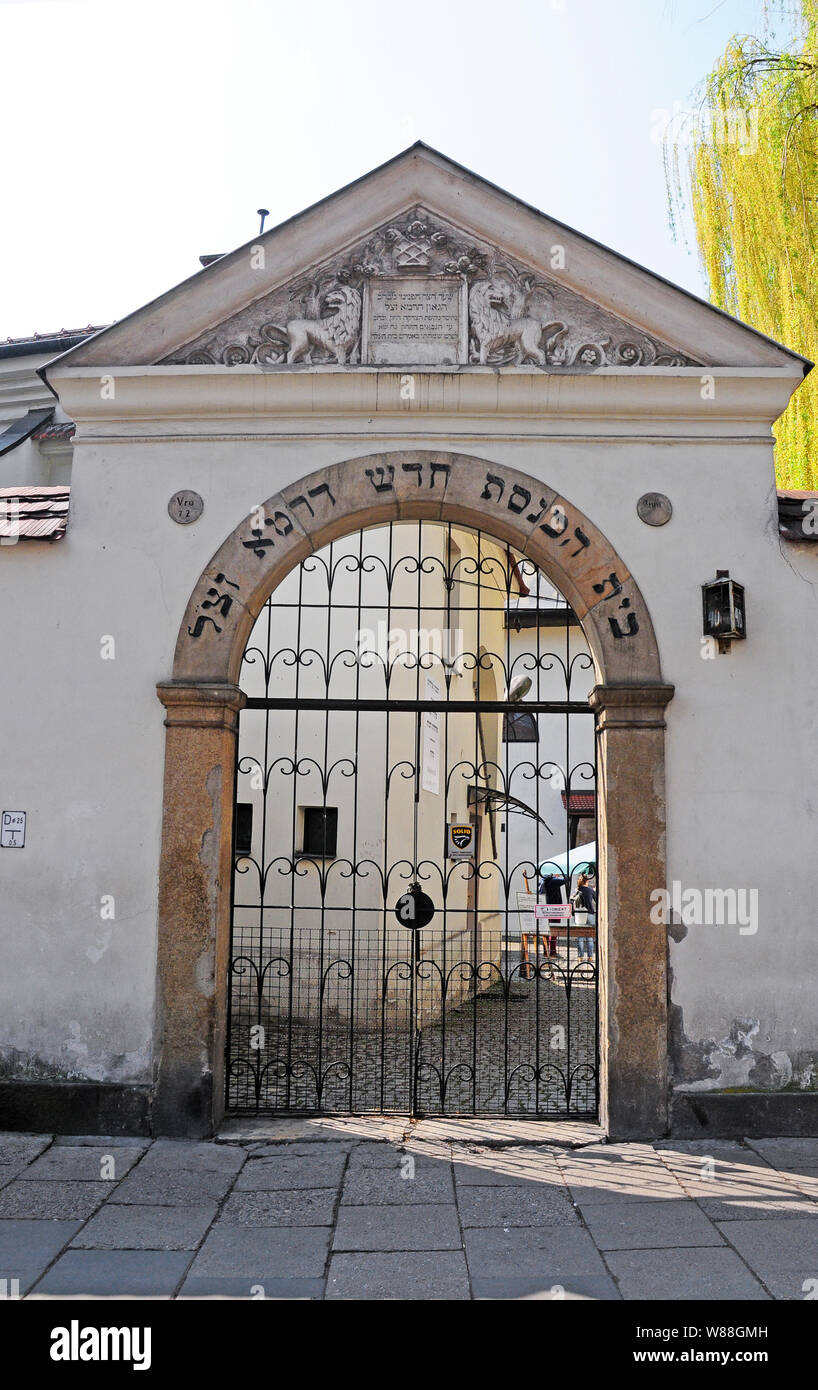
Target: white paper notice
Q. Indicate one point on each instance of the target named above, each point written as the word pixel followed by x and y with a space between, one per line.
pixel 430 780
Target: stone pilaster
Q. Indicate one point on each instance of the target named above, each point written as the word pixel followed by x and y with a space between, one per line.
pixel 633 952
pixel 194 905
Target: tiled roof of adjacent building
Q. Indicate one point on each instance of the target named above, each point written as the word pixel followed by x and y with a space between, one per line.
pixel 580 802
pixel 60 429
pixel 33 513
pixel 58 341
pixel 797 515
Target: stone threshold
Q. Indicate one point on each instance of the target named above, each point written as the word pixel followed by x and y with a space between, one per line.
pixel 397 1129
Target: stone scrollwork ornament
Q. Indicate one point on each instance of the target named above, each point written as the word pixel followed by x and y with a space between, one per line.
pixel 515 316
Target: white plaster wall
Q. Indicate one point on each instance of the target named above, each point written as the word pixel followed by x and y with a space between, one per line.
pixel 83 738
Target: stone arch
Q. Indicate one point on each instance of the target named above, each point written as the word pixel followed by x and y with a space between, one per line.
pixel 202 701
pixel 413 483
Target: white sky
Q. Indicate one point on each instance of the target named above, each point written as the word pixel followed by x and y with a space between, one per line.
pixel 137 135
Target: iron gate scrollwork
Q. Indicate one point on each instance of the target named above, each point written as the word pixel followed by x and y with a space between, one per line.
pixel 414 680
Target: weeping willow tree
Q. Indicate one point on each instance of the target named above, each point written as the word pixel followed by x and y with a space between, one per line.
pixel 746 167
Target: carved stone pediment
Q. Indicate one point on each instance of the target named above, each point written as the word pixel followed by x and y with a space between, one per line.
pixel 418 291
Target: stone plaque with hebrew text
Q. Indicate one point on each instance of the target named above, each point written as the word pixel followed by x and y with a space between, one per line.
pixel 415 320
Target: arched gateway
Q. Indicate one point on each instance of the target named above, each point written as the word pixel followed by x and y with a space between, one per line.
pixel 203 700
pixel 389 357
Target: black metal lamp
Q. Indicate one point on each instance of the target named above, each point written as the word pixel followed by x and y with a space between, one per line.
pixel 723 610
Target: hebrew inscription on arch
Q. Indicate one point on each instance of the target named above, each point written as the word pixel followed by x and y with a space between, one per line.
pixel 397 485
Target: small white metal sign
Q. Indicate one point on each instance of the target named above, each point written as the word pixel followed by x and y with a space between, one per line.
pixel 12 830
pixel 460 842
pixel 554 910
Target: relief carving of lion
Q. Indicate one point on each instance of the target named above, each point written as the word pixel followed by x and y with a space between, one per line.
pixel 337 334
pixel 496 327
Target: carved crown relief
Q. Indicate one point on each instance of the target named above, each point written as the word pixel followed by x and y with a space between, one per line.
pixel 435 296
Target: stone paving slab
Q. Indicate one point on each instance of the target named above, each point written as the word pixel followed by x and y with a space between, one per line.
pixel 273 1174
pixel 27 1247
pixel 311 1207
pixel 9 1171
pixel 804 1181
pixel 796 1283
pixel 53 1201
pixel 166 1187
pixel 618 1174
pixel 648 1225
pixel 774 1248
pixel 505 1167
pixel 787 1153
pixel 238 1286
pixel 583 1288
pixel 731 1167
pixel 33 1240
pixel 407 1275
pixel 179 1154
pixel 314 1149
pixel 515 1206
pixel 731 1182
pixel 683 1275
pixel 108 1273
pixel 84 1162
pixel 260 1256
pixel 22 1148
pixel 397 1228
pixel 369 1155
pixel 97 1141
pixel 757 1207
pixel 146 1228
pixel 370 1186
pixel 548 1254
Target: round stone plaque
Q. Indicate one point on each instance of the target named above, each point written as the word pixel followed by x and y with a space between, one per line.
pixel 185 507
pixel 654 508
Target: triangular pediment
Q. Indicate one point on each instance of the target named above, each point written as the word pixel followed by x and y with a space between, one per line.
pixel 421 291
pixel 423 263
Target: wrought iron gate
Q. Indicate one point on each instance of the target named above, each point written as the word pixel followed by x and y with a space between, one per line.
pixel 417 737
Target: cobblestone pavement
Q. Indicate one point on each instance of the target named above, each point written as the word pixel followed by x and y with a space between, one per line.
pixel 527 1046
pixel 384 1209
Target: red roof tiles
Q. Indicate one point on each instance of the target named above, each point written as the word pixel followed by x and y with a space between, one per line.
pixel 33 513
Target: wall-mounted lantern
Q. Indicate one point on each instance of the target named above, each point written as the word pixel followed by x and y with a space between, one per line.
pixel 723 610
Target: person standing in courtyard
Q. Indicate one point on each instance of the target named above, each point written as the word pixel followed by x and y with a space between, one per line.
pixel 584 905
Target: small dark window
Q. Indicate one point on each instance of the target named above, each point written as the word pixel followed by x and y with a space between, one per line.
pixel 244 827
pixel 320 830
pixel 520 727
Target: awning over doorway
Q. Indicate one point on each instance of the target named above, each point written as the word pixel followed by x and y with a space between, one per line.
pixel 576 861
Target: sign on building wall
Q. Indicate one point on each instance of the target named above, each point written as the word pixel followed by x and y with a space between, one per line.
pixel 460 842
pixel 13 830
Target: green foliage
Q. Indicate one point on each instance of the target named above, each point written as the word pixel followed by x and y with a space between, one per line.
pixel 751 173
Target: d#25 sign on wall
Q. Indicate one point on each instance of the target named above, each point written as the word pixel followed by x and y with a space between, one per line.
pixel 12 829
